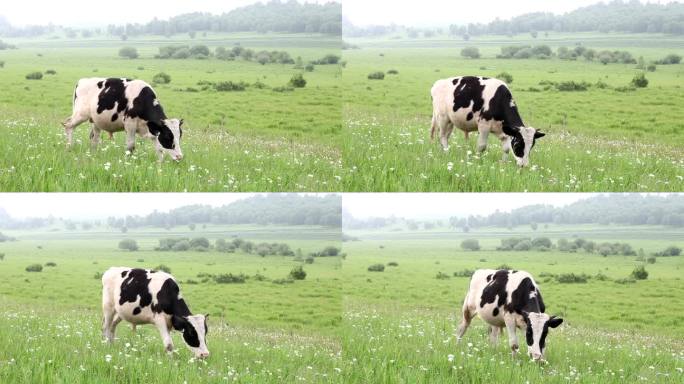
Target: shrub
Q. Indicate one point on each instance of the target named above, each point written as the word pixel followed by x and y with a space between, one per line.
pixel 627 280
pixel 163 268
pixel 283 89
pixel 392 72
pixel 2 64
pixel 298 273
pixel 670 59
pixel 510 243
pixel 97 275
pixel 128 53
pixel 161 78
pixel 34 268
pixel 640 81
pixel 570 278
pixel 297 81
pixel 282 281
pixel 572 86
pixel 541 243
pixel 670 251
pixel 229 278
pixel 181 246
pixel 309 260
pixel 229 86
pixel 524 245
pixel 464 273
pixel 309 67
pixel 441 276
pixel 200 51
pixel 128 245
pixel 651 68
pixel 504 266
pixel 200 242
pixel 470 52
pixel 2 256
pixel 376 268
pixel 506 77
pixel 50 264
pixel 392 264
pixel 34 76
pixel 470 245
pixel 50 72
pixel 640 273
pixel 376 75
pixel 651 260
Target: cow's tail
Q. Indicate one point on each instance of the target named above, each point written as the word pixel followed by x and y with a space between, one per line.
pixel 434 124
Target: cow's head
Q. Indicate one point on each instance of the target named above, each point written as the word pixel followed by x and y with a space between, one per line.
pixel 194 328
pixel 538 325
pixel 169 134
pixel 522 142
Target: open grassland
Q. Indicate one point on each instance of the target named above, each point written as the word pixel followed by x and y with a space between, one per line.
pixel 252 140
pixel 259 331
pixel 601 139
pixel 400 325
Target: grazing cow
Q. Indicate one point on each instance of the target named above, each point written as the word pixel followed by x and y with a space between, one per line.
pixel 142 296
pixel 511 299
pixel 114 105
pixel 484 104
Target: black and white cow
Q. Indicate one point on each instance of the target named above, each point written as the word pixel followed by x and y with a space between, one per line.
pixel 482 104
pixel 142 296
pixel 114 105
pixel 511 299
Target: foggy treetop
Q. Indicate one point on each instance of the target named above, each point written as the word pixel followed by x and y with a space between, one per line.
pixel 274 16
pixel 619 209
pixel 282 209
pixel 616 16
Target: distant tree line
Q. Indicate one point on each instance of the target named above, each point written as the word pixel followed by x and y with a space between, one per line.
pixel 274 16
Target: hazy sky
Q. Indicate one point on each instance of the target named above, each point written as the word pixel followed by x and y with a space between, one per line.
pixel 442 205
pixel 86 13
pixel 444 12
pixel 100 205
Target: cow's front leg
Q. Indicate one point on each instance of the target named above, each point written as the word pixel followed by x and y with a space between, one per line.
pixel 130 137
pixel 506 146
pixel 494 332
pixel 509 319
pixel 165 335
pixel 482 139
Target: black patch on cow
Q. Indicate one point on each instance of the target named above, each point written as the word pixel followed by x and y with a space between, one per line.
pixel 468 88
pixel 153 271
pixel 470 116
pixel 495 312
pixel 529 337
pixel 189 332
pixel 521 301
pixel 489 277
pixel 500 109
pixel 144 107
pixel 168 301
pixel 136 311
pixel 115 116
pixel 113 95
pixel 124 273
pixel 496 287
pixel 99 84
pixel 485 78
pixel 542 340
pixel 135 285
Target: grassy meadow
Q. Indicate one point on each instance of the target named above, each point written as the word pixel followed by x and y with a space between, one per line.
pixel 252 140
pixel 602 139
pixel 400 325
pixel 259 331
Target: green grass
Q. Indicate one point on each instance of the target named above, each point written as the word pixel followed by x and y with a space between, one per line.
pixel 598 140
pixel 400 324
pixel 254 140
pixel 259 331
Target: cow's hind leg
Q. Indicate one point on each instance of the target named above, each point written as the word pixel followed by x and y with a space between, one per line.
pixel 94 137
pixel 107 322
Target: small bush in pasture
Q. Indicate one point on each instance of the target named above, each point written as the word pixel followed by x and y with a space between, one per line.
pixel 2 64
pixel 329 251
pixel 200 51
pixel 626 280
pixel 376 268
pixel 283 89
pixel 309 260
pixel 572 86
pixel 259 85
pixel 181 246
pixel 504 266
pixel 470 245
pixel 327 59
pixel 392 264
pixel 2 256
pixel 464 273
pixel 571 278
pixel 191 282
pixel 627 88
pixel 128 245
pixel 282 281
pixel 470 52
pixel 524 245
pixel 297 81
pixel 97 275
pixel 640 273
pixel 298 273
pixel 601 277
pixel 50 264
pixel 442 276
pixel 376 75
pixel 34 76
pixel 669 251
pixel 669 59
pixel 260 277
pixel 230 86
pixel 34 268
pixel 640 81
pixel 50 72
pixel 510 243
pixel 200 242
pixel 541 243
pixel 161 78
pixel 505 77
pixel 229 278
pixel 222 245
pixel 392 72
pixel 651 68
pixel 162 267
pixel 309 68
pixel 128 53
pixel 651 260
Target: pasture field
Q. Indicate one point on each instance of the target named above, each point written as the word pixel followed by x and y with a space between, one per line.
pixel 400 325
pixel 259 331
pixel 602 139
pixel 252 140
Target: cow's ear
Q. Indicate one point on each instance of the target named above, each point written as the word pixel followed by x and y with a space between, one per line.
pixel 554 321
pixel 539 134
pixel 178 322
pixel 180 123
